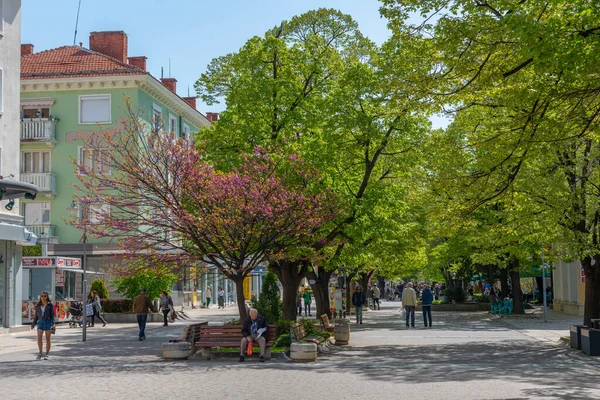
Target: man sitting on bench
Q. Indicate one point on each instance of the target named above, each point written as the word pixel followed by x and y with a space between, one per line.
pixel 252 329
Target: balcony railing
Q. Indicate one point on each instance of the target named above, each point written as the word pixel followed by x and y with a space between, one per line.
pixel 38 129
pixel 45 182
pixel 44 231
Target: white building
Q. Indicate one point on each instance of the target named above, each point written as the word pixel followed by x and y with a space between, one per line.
pixel 12 232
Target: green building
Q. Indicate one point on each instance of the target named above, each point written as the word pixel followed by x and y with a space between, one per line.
pixel 67 94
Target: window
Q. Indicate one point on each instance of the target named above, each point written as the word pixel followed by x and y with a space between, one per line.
pixel 94 109
pixel 98 212
pixel 36 112
pixel 172 125
pixel 186 132
pixel 35 162
pixel 157 122
pixel 37 213
pixel 94 161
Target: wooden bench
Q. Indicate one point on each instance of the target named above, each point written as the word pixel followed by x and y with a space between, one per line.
pixel 298 333
pixel 191 333
pixel 325 324
pixel 210 337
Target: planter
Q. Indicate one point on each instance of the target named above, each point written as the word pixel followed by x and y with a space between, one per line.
pixel 303 352
pixel 590 341
pixel 575 336
pixel 341 331
pixel 176 351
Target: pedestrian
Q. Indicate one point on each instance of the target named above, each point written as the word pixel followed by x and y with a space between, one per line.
pixel 252 331
pixel 400 290
pixel 165 305
pixel 409 302
pixel 307 302
pixel 221 297
pixel 358 300
pixel 141 305
pixel 299 302
pixel 44 318
pixel 208 296
pixel 436 291
pixel 376 296
pixel 427 300
pixel 96 307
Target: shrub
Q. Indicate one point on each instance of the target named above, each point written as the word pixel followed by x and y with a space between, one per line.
pixel 99 286
pixel 117 305
pixel 237 321
pixel 310 328
pixel 284 340
pixel 325 335
pixel 283 326
pixel 269 303
pixel 483 298
pixel 130 286
pixel 459 295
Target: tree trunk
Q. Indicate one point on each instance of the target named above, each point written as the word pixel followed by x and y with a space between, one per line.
pixel 592 292
pixel 515 277
pixel 321 291
pixel 239 291
pixel 290 274
pixel 503 282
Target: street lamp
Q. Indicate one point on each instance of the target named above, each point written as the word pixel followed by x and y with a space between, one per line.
pixel 83 221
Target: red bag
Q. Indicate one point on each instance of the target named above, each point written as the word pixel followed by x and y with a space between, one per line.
pixel 250 344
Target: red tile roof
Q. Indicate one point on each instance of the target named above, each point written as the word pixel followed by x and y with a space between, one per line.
pixel 73 61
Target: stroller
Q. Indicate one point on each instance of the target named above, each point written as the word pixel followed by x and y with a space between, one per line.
pixel 76 311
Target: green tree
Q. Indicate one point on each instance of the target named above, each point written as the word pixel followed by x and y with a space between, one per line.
pixel 521 79
pixel 100 287
pixel 269 303
pixel 154 282
pixel 316 86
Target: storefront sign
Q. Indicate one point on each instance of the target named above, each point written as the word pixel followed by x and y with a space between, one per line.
pixel 44 262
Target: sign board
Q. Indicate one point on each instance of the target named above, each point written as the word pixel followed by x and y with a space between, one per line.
pixel 49 262
pixel 247 291
pixel 582 274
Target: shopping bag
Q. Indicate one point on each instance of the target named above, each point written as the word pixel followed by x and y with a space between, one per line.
pixel 89 310
pixel 402 313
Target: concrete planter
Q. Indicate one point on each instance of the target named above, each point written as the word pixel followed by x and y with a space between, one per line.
pixel 341 331
pixel 458 307
pixel 121 318
pixel 176 351
pixel 590 341
pixel 303 352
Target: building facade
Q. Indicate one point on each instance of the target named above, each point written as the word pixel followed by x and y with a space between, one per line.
pixel 569 287
pixel 67 94
pixel 12 233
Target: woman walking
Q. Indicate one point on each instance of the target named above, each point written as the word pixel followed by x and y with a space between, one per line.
pixel 44 318
pixel 221 297
pixel 165 305
pixel 97 307
pixel 208 296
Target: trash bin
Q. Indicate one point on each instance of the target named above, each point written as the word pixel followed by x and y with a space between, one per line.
pixel 590 341
pixel 595 323
pixel 575 336
pixel 341 331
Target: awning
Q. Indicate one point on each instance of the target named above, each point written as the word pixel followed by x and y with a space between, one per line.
pixel 17 233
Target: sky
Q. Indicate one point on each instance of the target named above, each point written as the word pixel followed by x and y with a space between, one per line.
pixel 189 33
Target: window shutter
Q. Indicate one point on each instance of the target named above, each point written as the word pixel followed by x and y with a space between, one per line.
pixel 94 109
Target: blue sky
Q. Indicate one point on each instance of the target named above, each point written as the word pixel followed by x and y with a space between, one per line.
pixel 189 32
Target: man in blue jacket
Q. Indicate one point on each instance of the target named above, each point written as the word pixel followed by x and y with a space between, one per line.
pixel 427 299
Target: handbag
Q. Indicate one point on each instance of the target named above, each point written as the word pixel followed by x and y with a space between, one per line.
pixel 53 329
pixel 89 310
pixel 402 313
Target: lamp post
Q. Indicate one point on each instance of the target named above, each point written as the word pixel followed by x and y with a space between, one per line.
pixel 83 221
pixel 544 286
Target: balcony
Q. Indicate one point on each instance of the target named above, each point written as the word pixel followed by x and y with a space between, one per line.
pixel 43 232
pixel 45 182
pixel 39 130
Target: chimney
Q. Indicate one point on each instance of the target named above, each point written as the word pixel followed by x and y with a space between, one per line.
pixel 139 62
pixel 170 83
pixel 110 43
pixel 26 50
pixel 212 117
pixel 191 101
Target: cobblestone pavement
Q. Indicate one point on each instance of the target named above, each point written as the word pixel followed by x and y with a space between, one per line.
pixel 464 356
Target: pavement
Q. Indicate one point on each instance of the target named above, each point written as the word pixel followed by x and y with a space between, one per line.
pixel 464 356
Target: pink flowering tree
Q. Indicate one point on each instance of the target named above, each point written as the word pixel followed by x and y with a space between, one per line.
pixel 167 206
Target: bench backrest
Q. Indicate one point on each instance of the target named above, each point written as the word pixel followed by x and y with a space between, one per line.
pixel 325 321
pixel 229 333
pixel 192 332
pixel 297 332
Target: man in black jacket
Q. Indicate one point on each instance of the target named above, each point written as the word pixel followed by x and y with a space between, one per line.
pixel 358 300
pixel 253 330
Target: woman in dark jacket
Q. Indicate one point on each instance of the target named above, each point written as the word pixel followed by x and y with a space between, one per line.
pixel 44 318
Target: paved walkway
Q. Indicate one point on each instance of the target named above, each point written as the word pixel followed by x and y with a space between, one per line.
pixel 464 356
